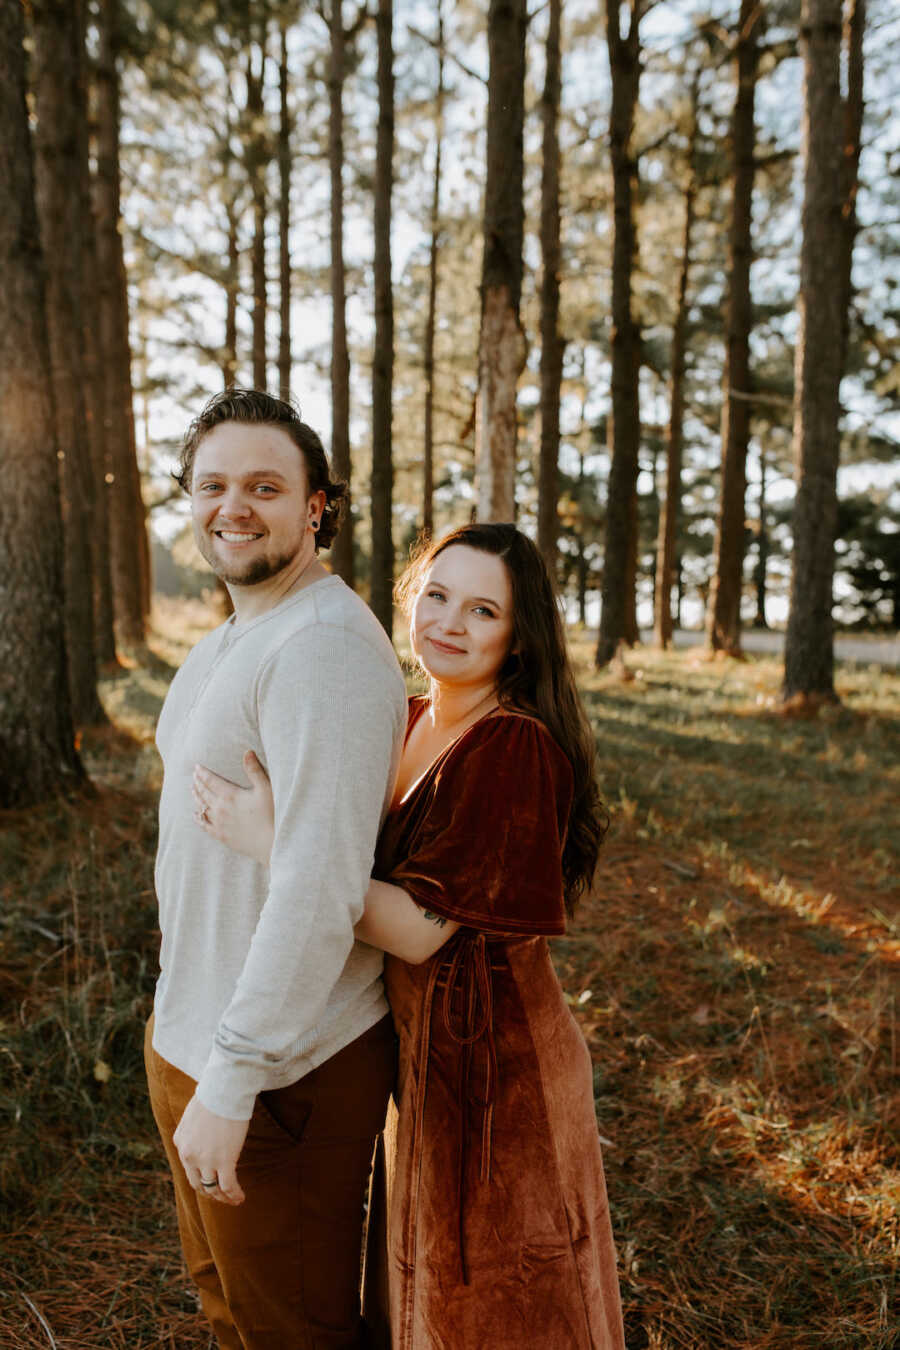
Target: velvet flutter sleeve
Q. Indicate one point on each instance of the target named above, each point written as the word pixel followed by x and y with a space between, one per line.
pixel 488 852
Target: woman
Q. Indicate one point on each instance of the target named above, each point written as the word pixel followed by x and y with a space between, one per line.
pixel 498 1228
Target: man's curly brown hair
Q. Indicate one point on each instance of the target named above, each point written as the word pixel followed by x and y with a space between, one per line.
pixel 255 408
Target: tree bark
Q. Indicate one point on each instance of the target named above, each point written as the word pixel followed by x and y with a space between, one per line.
pixel 551 343
pixel 760 574
pixel 431 319
pixel 256 157
pixel 723 624
pixel 617 620
pixel 671 506
pixel 342 548
pixel 582 565
pixel 284 222
pixel 825 259
pixel 382 583
pixel 502 349
pixel 854 30
pixel 37 741
pixel 59 107
pixel 128 530
pixel 232 286
pixel 95 376
pixel 232 190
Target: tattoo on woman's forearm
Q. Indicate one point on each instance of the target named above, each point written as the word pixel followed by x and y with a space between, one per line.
pixel 435 918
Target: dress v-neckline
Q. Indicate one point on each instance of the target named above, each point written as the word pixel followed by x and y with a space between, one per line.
pixel 422 701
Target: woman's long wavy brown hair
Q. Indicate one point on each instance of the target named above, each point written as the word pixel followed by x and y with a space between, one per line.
pixel 537 679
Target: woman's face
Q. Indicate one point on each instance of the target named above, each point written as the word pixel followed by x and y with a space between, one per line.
pixel 462 620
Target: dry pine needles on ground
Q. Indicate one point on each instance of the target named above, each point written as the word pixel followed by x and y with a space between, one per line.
pixel 734 973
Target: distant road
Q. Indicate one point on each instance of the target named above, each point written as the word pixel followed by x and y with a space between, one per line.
pixel 866 651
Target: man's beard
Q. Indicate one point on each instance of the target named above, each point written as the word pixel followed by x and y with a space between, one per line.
pixel 260 569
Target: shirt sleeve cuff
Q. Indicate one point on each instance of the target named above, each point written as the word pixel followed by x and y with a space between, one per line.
pixel 224 1089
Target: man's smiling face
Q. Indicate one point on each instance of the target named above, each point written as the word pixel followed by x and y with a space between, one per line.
pixel 249 502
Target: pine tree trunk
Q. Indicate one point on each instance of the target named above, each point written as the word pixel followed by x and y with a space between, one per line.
pixel 854 30
pixel 671 506
pixel 617 620
pixel 382 585
pixel 502 348
pixel 342 548
pixel 824 291
pixel 256 156
pixel 723 624
pixel 284 223
pixel 431 319
pixel 56 90
pixel 632 635
pixel 657 507
pixel 129 554
pixel 551 342
pixel 760 575
pixel 582 566
pixel 582 573
pixel 94 376
pixel 37 741
pixel 232 286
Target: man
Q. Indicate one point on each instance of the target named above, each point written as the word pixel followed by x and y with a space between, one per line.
pixel 270 1055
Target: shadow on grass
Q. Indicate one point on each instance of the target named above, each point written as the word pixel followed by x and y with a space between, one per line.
pixel 744 1087
pixel 744 1264
pixel 735 976
pixel 714 769
pixel 760 746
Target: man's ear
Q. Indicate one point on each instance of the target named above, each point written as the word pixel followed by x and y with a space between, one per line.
pixel 315 505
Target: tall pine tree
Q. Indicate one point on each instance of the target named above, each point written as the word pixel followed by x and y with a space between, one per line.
pixel 825 264
pixel 617 614
pixel 502 348
pixel 37 742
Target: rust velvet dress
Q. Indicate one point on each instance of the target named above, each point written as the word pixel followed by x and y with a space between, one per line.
pixel 497 1224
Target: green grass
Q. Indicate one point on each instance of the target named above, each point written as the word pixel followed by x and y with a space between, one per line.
pixel 734 973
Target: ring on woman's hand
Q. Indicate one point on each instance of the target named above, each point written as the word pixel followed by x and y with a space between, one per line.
pixel 209 1185
pixel 204 816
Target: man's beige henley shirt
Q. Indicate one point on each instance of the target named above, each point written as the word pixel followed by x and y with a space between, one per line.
pixel 261 979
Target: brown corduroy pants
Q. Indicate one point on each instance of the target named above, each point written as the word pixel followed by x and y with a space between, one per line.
pixel 281 1271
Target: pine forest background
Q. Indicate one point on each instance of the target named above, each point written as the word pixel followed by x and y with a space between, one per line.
pixel 185 187
pixel 626 273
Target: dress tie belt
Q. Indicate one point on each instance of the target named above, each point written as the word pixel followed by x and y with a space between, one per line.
pixel 468 979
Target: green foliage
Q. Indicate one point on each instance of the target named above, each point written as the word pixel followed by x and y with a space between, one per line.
pixel 869 560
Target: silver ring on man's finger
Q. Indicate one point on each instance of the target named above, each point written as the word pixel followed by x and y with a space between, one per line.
pixel 209 1185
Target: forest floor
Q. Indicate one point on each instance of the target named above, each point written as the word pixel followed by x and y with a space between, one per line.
pixel 734 972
